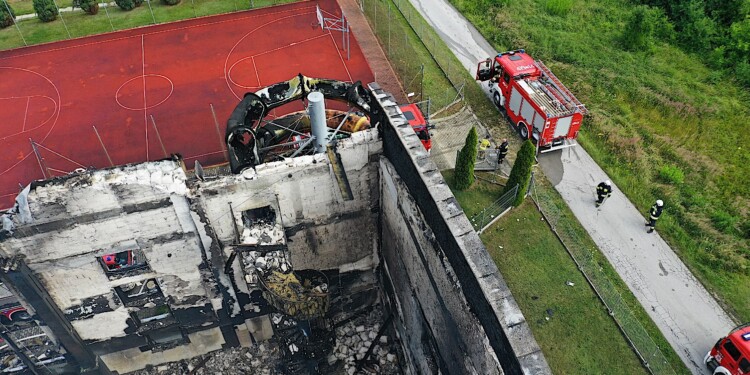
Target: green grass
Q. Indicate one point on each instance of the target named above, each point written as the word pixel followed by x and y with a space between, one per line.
pixel 649 110
pixel 482 194
pixel 80 24
pixel 570 324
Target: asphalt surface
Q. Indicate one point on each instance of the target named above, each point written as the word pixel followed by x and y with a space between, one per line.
pixel 687 315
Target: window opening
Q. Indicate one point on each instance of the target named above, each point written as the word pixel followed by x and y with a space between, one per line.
pixel 151 314
pixel 732 350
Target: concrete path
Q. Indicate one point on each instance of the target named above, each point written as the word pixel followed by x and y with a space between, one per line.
pixel 684 311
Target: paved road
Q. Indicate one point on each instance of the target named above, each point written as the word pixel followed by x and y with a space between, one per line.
pixel 686 314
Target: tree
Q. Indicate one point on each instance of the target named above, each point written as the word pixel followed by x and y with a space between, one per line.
pixel 463 175
pixel 125 4
pixel 171 2
pixel 7 15
pixel 521 172
pixel 45 10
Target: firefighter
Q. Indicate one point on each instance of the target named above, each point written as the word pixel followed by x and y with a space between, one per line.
pixel 483 145
pixel 603 191
pixel 502 150
pixel 654 214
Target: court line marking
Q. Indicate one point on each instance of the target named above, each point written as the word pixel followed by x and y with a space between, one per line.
pixel 231 68
pixel 28 97
pixel 338 17
pixel 171 91
pixel 168 30
pixel 145 104
pixel 336 47
pixel 54 123
pixel 229 54
pixel 255 68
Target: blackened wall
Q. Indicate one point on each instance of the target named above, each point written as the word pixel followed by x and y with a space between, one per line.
pixel 455 307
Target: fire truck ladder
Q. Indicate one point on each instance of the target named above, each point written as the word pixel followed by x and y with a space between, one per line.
pixel 561 88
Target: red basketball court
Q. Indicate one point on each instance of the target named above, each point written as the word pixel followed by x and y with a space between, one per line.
pixel 148 92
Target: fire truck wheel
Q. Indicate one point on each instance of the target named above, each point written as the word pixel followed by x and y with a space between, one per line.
pixel 498 100
pixel 523 131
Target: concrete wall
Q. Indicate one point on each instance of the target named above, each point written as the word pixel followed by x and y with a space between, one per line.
pixel 454 306
pixel 323 230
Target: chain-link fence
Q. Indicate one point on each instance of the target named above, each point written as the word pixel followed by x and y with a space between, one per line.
pixel 584 257
pixel 424 66
pixel 72 22
pixel 493 212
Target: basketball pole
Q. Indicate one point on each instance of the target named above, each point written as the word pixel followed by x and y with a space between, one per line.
pixel 158 136
pixel 104 148
pixel 62 19
pixel 151 10
pixel 218 132
pixel 40 159
pixel 17 28
pixel 108 18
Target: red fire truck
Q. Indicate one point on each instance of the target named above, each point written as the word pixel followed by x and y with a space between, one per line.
pixel 418 123
pixel 731 354
pixel 539 106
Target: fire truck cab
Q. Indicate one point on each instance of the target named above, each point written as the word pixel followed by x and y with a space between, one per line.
pixel 731 354
pixel 417 121
pixel 538 105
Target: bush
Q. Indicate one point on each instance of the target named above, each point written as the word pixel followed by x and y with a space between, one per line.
pixel 45 10
pixel 464 173
pixel 125 4
pixel 521 172
pixel 88 6
pixel 138 3
pixel 6 14
pixel 171 2
pixel 671 175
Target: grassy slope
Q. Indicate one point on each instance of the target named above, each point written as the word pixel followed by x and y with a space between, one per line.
pixel 579 333
pixel 649 110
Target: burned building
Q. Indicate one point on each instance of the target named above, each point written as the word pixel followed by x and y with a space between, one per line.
pixel 148 264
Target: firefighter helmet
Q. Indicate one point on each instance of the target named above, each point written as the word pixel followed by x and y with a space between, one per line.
pixel 608 183
pixel 659 202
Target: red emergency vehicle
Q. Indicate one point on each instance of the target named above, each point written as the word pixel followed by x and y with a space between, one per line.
pixel 539 106
pixel 731 354
pixel 417 121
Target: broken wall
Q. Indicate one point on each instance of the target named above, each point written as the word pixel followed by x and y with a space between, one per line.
pixel 456 313
pixel 323 230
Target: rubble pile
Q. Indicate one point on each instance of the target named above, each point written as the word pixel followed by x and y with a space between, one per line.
pixel 302 296
pixel 354 338
pixel 260 359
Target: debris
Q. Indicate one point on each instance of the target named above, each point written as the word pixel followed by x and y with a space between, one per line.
pixel 569 283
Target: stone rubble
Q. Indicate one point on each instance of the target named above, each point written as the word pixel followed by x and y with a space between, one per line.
pixel 259 359
pixel 354 338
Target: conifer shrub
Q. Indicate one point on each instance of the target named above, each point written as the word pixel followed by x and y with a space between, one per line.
pixel 521 172
pixel 7 15
pixel 45 10
pixel 464 173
